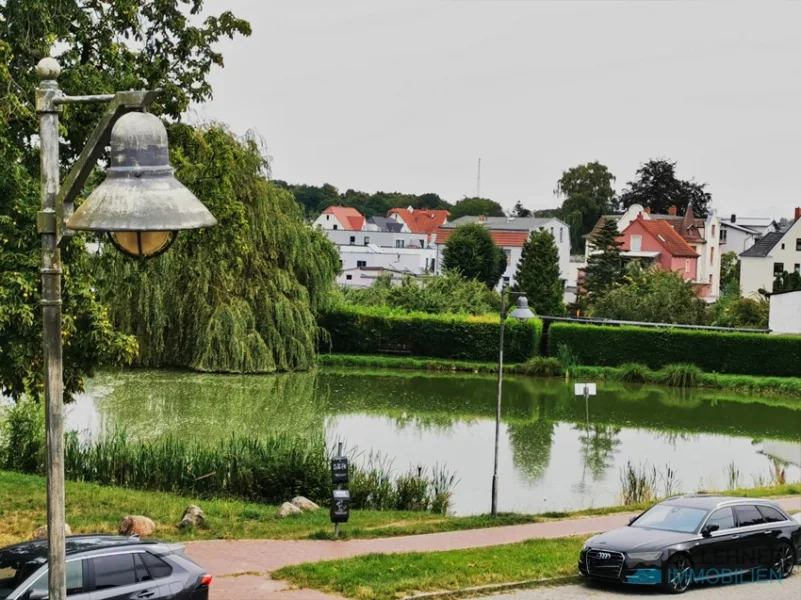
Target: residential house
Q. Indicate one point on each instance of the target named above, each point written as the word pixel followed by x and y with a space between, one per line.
pixel 737 237
pixel 420 220
pixel 411 261
pixel 510 233
pixel 701 235
pixel 362 277
pixel 773 254
pixel 655 242
pixel 338 218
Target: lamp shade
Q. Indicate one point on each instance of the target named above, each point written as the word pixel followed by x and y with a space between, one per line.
pixel 522 312
pixel 140 192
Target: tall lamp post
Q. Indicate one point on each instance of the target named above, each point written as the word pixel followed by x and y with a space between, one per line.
pixel 521 313
pixel 140 206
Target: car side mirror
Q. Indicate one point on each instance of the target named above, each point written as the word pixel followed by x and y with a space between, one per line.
pixel 709 530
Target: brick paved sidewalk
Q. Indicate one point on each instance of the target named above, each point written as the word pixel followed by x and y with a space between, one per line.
pixel 257 558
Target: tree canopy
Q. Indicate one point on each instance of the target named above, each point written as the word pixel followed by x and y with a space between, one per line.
pixel 605 264
pixel 520 211
pixel 471 252
pixel 587 194
pixel 658 188
pixel 102 47
pixel 652 295
pixel 448 293
pixel 537 275
pixel 475 207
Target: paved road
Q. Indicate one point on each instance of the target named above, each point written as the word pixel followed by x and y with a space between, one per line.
pixel 787 590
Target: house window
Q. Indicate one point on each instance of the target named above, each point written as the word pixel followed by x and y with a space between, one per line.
pixel 782 246
pixel 713 231
pixel 336 226
pixel 361 263
pixel 724 233
pixel 352 240
pixel 422 243
pixel 433 264
pixel 636 243
pixel 778 269
pixel 561 234
pixel 505 281
pixel 348 277
pixel 687 265
pixel 552 232
pixel 711 256
pixel 399 243
pixel 366 240
pixel 710 279
pixel 508 254
pixel 327 217
pixel 798 244
pixel 797 268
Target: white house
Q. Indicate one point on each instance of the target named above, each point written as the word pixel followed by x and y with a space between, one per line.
pixel 785 312
pixel 336 218
pixel 735 237
pixel 702 235
pixel 773 254
pixel 510 233
pixel 362 277
pixel 411 261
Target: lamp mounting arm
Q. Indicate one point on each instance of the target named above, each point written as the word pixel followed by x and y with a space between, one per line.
pixel 120 104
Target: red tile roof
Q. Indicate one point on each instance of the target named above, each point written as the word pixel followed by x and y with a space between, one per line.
pixel 422 220
pixel 351 219
pixel 504 239
pixel 667 237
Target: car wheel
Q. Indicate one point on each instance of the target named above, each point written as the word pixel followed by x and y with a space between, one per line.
pixel 783 561
pixel 678 574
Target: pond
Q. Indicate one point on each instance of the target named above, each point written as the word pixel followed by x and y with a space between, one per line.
pixel 556 452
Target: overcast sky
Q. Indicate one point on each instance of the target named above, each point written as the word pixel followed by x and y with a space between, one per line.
pixel 406 96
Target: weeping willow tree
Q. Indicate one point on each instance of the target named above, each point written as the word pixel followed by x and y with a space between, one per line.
pixel 240 297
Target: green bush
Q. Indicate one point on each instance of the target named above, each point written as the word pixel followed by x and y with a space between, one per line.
pixel 541 366
pixel 357 330
pixel 710 351
pixel 680 375
pixel 634 373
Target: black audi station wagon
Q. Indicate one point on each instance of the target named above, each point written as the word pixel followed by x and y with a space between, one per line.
pixel 699 538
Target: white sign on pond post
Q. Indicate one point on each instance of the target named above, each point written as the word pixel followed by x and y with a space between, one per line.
pixel 586 390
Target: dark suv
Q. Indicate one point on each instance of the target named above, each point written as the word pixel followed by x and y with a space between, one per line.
pixel 101 567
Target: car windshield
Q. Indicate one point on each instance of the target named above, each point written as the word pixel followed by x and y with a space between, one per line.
pixel 669 517
pixel 15 567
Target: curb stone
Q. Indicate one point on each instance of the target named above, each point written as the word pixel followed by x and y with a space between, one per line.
pixel 497 587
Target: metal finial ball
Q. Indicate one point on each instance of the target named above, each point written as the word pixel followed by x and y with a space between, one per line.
pixel 48 68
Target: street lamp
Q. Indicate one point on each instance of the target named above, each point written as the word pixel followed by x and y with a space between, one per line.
pixel 140 205
pixel 521 313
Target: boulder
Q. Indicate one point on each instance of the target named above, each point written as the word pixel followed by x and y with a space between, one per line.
pixel 288 510
pixel 193 517
pixel 41 533
pixel 304 504
pixel 137 525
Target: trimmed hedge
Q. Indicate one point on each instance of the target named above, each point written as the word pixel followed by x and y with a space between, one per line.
pixel 458 337
pixel 712 351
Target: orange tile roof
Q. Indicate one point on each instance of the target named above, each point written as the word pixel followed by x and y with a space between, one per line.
pixel 668 237
pixel 504 239
pixel 351 219
pixel 422 220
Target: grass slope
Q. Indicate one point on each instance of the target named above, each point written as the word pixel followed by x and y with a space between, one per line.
pixel 381 576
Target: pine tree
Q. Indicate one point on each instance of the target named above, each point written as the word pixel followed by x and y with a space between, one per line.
pixel 537 275
pixel 605 265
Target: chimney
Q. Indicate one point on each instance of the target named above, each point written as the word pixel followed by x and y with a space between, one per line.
pixel 481 218
pixel 734 218
pixel 673 210
pixel 797 213
pixel 648 211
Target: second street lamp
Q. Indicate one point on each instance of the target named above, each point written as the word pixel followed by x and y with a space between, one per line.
pixel 521 313
pixel 141 205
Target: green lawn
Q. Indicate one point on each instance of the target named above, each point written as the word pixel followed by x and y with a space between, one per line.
pixel 97 509
pixel 382 576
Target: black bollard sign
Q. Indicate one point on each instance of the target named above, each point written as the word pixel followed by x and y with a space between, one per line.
pixel 339 470
pixel 340 506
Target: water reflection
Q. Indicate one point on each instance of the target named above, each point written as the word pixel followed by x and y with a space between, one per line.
pixel 557 451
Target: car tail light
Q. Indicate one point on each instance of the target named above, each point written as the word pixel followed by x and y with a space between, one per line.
pixel 206 580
